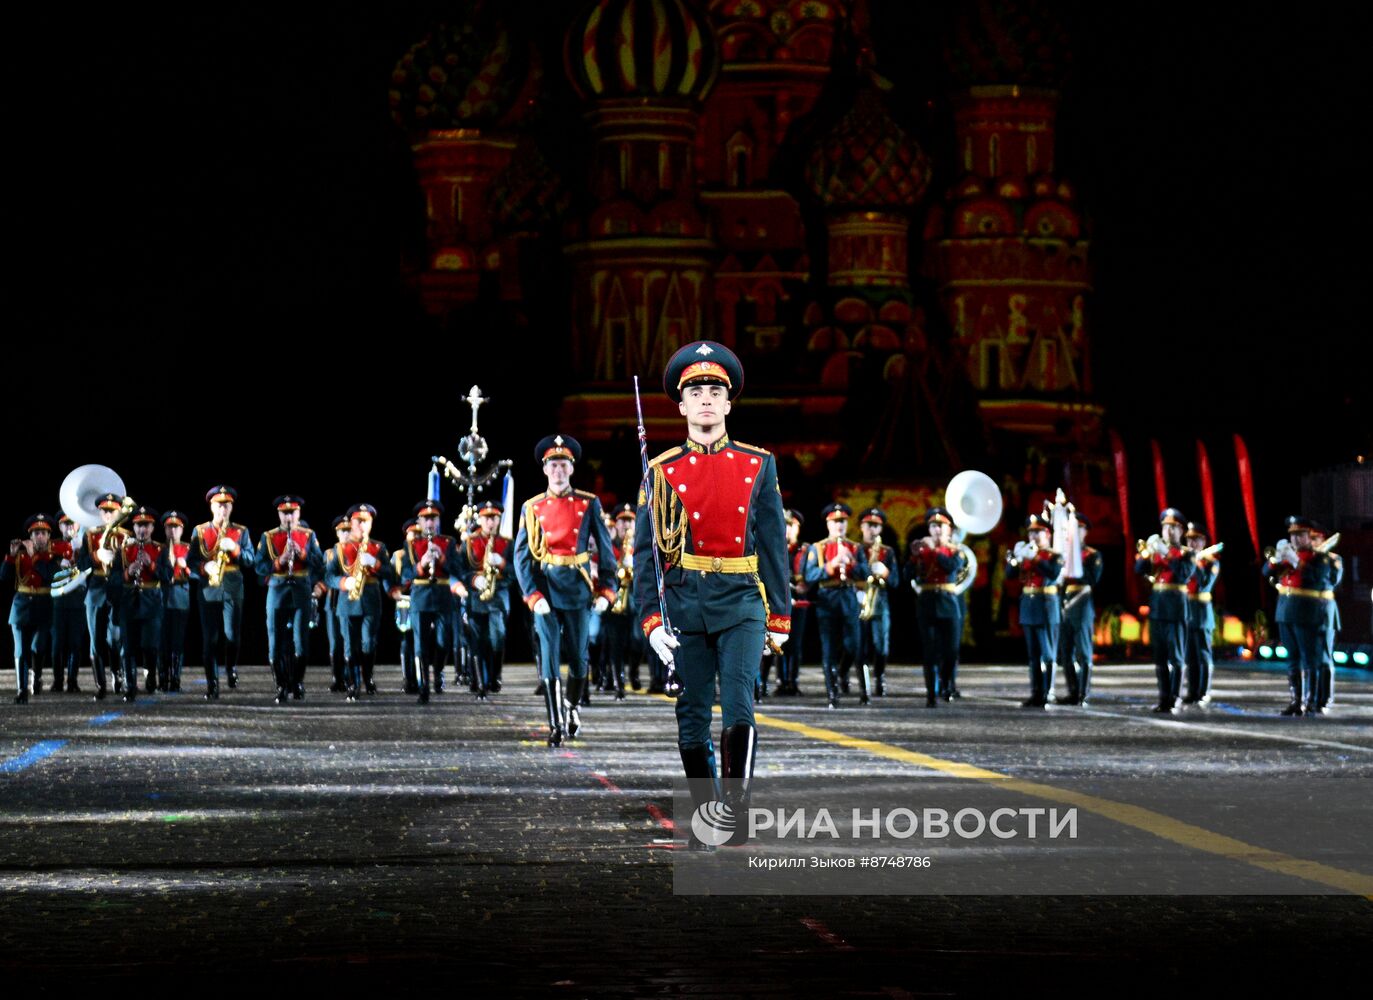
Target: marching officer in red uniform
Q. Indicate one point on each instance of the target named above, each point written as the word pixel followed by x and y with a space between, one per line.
pixel 219 551
pixel 1306 582
pixel 290 562
pixel 1201 617
pixel 431 566
pixel 338 661
pixel 1040 567
pixel 834 566
pixel 68 611
pixel 409 661
pixel 1168 566
pixel 141 614
pixel 358 569
pixel 935 564
pixel 712 509
pixel 552 557
pixel 29 564
pixel 789 663
pixel 176 599
pixel 875 620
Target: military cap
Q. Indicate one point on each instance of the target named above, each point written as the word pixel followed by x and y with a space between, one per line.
pixel 38 522
pixel 1171 515
pixel 221 494
pixel 1194 530
pixel 341 521
pixel 360 510
pixel 144 515
pixel 288 501
pixel 110 501
pixel 173 518
pixel 428 508
pixel 795 516
pixel 62 518
pixel 1300 522
pixel 558 446
pixel 703 362
pixel 938 515
pixel 837 512
pixel 625 511
pixel 874 515
pixel 1037 522
pixel 1083 521
pixel 409 526
pixel 491 508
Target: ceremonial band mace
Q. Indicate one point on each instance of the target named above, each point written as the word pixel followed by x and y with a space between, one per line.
pixel 673 686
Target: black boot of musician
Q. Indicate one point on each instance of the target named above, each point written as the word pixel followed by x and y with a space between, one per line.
pixel 353 676
pixel 117 669
pixel 619 680
pixel 73 669
pixel 576 687
pixel 21 680
pixel 339 665
pixel 879 675
pixel 1084 683
pixel 422 680
pixel 698 763
pixel 297 675
pixel 37 673
pixel 738 746
pixel 231 664
pixel 130 677
pixel 584 700
pixel 844 664
pixel 1293 692
pixel 553 701
pixel 369 663
pixel 437 678
pixel 211 681
pixel 279 676
pixel 832 684
pixel 58 673
pixel 1070 677
pixel 931 687
pixel 497 664
pixel 865 678
pixel 175 679
pixel 98 669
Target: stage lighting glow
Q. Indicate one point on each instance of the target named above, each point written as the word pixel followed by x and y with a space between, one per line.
pixel 1281 651
pixel 1341 656
pixel 1266 652
pixel 1361 658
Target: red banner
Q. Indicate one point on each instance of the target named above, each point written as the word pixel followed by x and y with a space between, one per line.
pixel 1160 480
pixel 1246 472
pixel 1208 493
pixel 1123 492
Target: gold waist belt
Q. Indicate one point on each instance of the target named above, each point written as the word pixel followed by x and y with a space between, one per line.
pixel 154 585
pixel 1074 588
pixel 426 581
pixel 1324 595
pixel 1050 589
pixel 24 588
pixel 721 564
pixel 553 559
pixel 1204 597
pixel 1170 586
pixel 951 588
pixel 300 575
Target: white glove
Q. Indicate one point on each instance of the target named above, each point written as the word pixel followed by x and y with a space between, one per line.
pixel 181 563
pixel 1287 552
pixel 779 639
pixel 541 606
pixel 600 605
pixel 628 560
pixel 227 544
pixel 497 560
pixel 663 644
pixel 66 564
pixel 880 570
pixel 1022 550
pixel 479 582
pixel 369 560
pixel 105 556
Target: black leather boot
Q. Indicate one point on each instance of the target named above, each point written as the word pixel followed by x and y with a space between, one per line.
pixel 369 663
pixel 553 701
pixel 739 746
pixel 865 679
pixel 231 664
pixel 832 685
pixel 497 663
pixel 879 675
pixel 279 676
pixel 422 682
pixel 698 763
pixel 576 686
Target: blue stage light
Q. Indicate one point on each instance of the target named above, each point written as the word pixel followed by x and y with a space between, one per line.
pixel 1282 652
pixel 1266 652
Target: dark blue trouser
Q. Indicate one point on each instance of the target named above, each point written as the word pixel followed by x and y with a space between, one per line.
pixel 67 622
pixel 731 654
pixel 939 652
pixel 1170 653
pixel 1075 652
pixel 220 618
pixel 1041 646
pixel 284 609
pixel 103 629
pixel 1305 650
pixel 1199 663
pixel 838 643
pixel 793 651
pixel 563 630
pixel 29 640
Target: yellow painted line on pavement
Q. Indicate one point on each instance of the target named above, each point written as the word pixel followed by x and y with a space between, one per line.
pixel 1165 827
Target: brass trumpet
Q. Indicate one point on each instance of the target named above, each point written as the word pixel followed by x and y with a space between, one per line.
pixel 357 573
pixel 875 585
pixel 214 571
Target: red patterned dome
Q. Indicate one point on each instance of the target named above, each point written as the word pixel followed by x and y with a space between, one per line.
pixel 470 75
pixel 641 48
pixel 867 160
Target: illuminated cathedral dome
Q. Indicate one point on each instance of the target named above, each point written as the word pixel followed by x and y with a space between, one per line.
pixel 474 74
pixel 641 48
pixel 868 161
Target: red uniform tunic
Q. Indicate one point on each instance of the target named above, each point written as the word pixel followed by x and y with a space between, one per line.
pixel 276 545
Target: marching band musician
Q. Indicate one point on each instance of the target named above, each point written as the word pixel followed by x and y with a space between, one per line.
pixel 1201 618
pixel 176 599
pixel 338 661
pixel 1306 588
pixel 875 631
pixel 789 664
pixel 935 564
pixel 1325 687
pixel 96 552
pixel 712 511
pixel 833 567
pixel 219 549
pixel 141 614
pixel 409 666
pixel 1075 642
pixel 621 639
pixel 357 569
pixel 1169 567
pixel 484 568
pixel 552 553
pixel 68 612
pixel 431 567
pixel 29 563
pixel 1039 567
pixel 290 563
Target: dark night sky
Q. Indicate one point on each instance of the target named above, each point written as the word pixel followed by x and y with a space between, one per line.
pixel 206 213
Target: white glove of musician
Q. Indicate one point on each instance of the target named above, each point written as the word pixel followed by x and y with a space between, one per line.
pixel 541 606
pixel 663 644
pixel 880 570
pixel 600 605
pixel 228 545
pixel 779 639
pixel 479 582
pixel 497 560
pixel 628 560
pixel 1022 550
pixel 369 560
pixel 105 556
